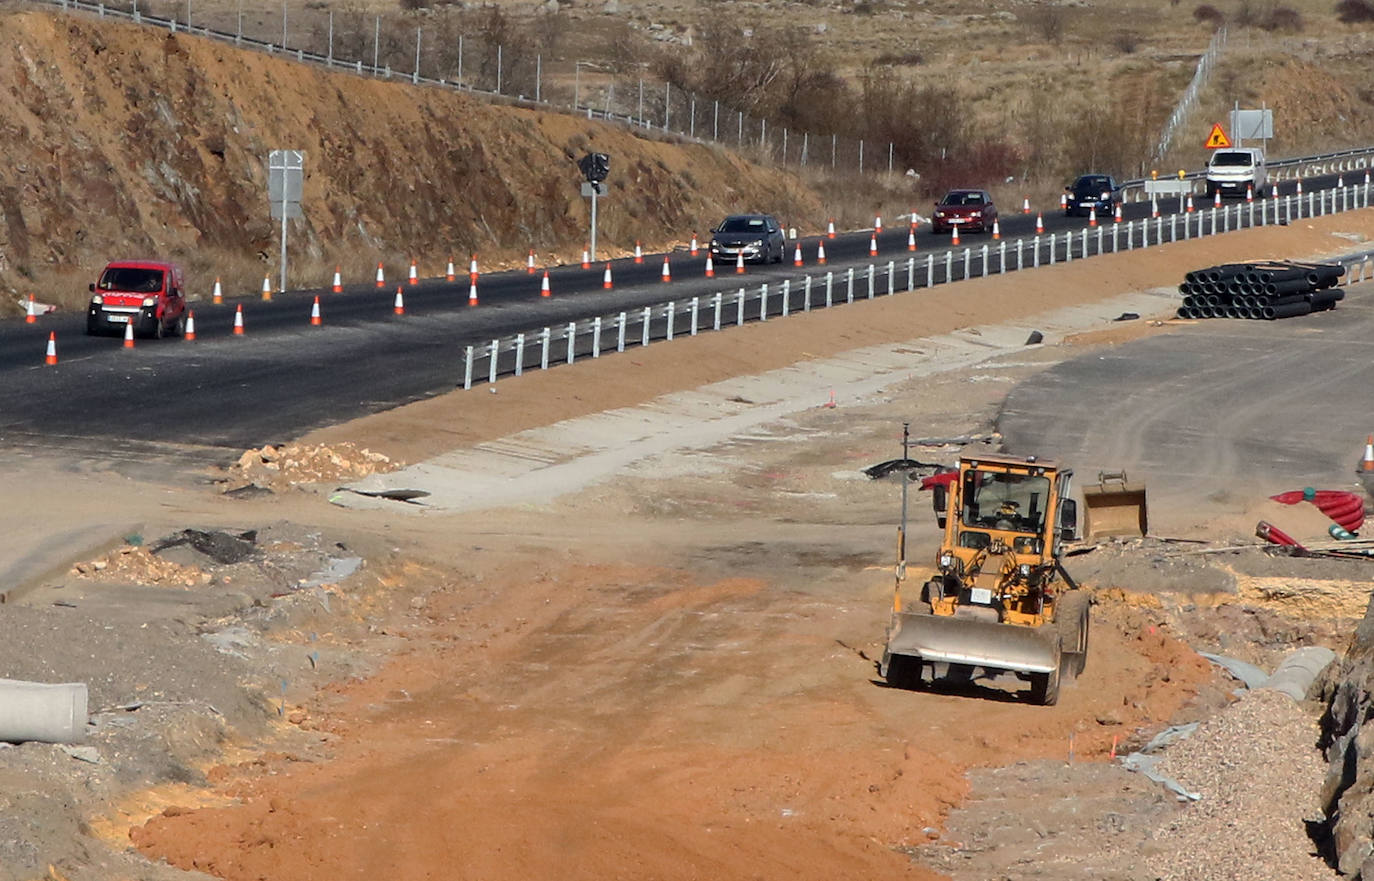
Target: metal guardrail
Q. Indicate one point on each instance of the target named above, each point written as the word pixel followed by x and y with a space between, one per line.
pixel 547 347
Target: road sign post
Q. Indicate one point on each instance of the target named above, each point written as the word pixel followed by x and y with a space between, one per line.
pixel 595 167
pixel 285 183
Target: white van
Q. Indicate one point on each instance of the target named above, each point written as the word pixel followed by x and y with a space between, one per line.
pixel 1233 170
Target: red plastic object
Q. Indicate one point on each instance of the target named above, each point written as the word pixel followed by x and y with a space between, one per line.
pixel 1345 508
pixel 1272 534
pixel 944 479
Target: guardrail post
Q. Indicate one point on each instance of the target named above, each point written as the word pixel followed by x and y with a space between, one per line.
pixel 1068 244
pixel 985 261
pixel 1130 235
pixel 891 280
pixel 646 319
pixel 669 314
pixel 621 321
pixel 930 270
pixel 1115 238
pixel 829 288
pixel 1099 242
pixel 467 368
pixel 493 356
pixel 596 337
pixel 872 273
pixel 544 343
pixel 949 267
pixel 696 308
pixel 786 295
pixel 968 262
pixel 739 308
pixel 1019 263
pixel 1035 255
pixel 806 295
pixel 1226 220
pixel 763 302
pixel 849 286
pixel 1002 257
pixel 1145 232
pixel 1052 240
pixel 571 337
pixel 911 273
pixel 519 354
pixel 1311 201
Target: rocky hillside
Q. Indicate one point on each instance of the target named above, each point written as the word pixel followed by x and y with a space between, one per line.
pixel 1348 739
pixel 124 141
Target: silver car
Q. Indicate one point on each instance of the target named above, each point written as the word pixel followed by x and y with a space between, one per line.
pixel 758 236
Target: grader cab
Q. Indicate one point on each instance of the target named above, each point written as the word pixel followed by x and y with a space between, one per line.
pixel 999 598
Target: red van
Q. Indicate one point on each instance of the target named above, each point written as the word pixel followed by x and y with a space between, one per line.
pixel 147 294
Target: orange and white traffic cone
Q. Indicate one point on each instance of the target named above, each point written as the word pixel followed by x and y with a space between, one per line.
pixel 639 252
pixel 544 290
pixel 710 266
pixel 695 249
pixel 381 276
pixel 1092 216
pixel 315 319
pixel 586 257
pixel 51 356
pixel 954 236
pixel 797 257
pixel 472 270
pixel 667 274
pixel 1275 192
pixel 1216 199
pixel 30 312
pixel 338 281
pixel 830 230
pixel 218 296
pixel 878 224
pixel 873 246
pixel 472 293
pixel 606 282
pixel 1154 206
pixel 1039 224
pixel 911 238
pixel 996 230
pixel 1025 205
pixel 238 320
pixel 266 287
pixel 190 332
pixel 450 274
pixel 1367 463
pixel 398 305
pixel 1189 207
pixel 820 253
pixel 1116 215
pixel 1064 202
pixel 529 263
pixel 414 277
pixel 739 263
pixel 129 335
pixel 1249 193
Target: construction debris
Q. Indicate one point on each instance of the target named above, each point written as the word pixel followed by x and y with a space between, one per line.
pixel 137 565
pixel 279 468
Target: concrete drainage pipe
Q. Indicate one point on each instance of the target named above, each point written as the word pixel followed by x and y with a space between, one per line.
pixel 42 712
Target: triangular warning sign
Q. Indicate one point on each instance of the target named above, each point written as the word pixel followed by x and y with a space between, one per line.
pixel 1217 138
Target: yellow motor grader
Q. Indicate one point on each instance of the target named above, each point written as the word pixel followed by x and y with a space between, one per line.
pixel 999 598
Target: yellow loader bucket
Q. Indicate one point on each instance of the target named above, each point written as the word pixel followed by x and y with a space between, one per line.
pixel 1115 507
pixel 953 640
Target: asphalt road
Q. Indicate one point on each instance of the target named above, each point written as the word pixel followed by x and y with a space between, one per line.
pixel 1212 407
pixel 284 377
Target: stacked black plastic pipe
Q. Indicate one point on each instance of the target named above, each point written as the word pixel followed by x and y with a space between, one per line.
pixel 1266 291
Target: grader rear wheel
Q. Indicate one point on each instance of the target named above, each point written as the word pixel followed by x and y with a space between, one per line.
pixel 1071 624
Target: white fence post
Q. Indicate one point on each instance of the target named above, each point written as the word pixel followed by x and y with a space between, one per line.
pixel 571 337
pixel 467 369
pixel 493 354
pixel 620 332
pixel 547 338
pixel 519 354
pixel 646 317
pixel 696 305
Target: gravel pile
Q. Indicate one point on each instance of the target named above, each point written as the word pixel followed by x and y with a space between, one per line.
pixel 1260 775
pixel 137 565
pixel 282 467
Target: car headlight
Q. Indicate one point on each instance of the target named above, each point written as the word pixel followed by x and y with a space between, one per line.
pixel 150 301
pixel 757 243
pixel 97 300
pixel 939 214
pixel 975 214
pixel 946 560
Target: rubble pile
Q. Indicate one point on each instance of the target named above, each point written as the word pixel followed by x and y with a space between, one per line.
pixel 139 566
pixel 279 468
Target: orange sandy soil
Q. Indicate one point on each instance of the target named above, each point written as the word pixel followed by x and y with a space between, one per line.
pixel 571 707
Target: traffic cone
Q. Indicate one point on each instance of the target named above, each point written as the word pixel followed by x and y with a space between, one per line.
pixel 878 224
pixel 544 286
pixel 820 253
pixel 238 320
pixel 1299 186
pixel 449 273
pixel 797 257
pixel 381 276
pixel 472 270
pixel 1367 463
pixel 1340 181
pixel 1116 215
pixel 414 274
pixel 472 293
pixel 1216 199
pixel 338 281
pixel 218 296
pixel 695 249
pixel 30 315
pixel 639 253
pixel 873 246
pixel 1189 208
pixel 954 236
pixel 911 239
pixel 606 283
pixel 710 266
pixel 1092 216
pixel 51 356
pixel 1039 224
pixel 190 333
pixel 266 288
pixel 398 306
pixel 666 275
pixel 996 230
pixel 739 263
pixel 315 319
pixel 1249 193
pixel 586 257
pixel 1064 202
pixel 830 232
pixel 1275 192
pixel 1025 205
pixel 529 263
pixel 1154 206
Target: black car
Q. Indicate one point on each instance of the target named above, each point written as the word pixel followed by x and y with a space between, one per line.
pixel 758 236
pixel 1100 191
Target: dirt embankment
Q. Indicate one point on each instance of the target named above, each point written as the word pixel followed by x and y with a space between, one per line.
pixel 125 141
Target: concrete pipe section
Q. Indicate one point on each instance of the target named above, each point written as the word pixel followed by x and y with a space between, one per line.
pixel 39 711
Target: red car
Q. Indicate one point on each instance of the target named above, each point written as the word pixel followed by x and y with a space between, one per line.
pixel 966 209
pixel 146 294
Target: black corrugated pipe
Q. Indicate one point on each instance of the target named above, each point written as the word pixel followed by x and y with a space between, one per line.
pixel 1289 311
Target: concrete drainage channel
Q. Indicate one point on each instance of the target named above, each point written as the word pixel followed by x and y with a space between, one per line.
pixel 591 337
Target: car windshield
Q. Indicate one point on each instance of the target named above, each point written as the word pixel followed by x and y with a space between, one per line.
pixel 742 224
pixel 963 199
pixel 124 278
pixel 998 500
pixel 1092 184
pixel 1232 159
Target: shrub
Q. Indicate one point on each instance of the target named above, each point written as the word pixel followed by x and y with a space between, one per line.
pixel 911 58
pixel 1049 21
pixel 1355 11
pixel 1126 42
pixel 1282 18
pixel 1209 14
